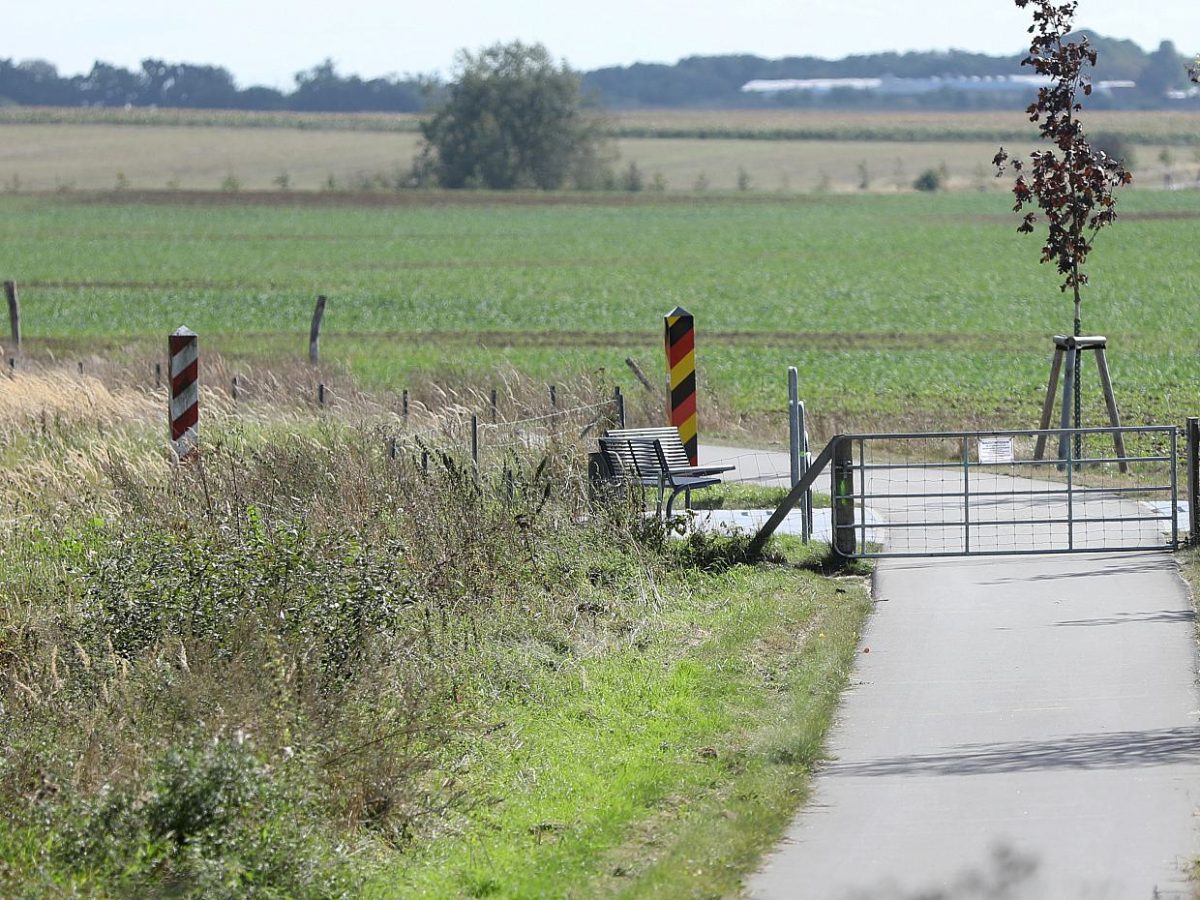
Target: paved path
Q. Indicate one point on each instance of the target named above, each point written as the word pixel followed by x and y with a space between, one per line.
pixel 1022 727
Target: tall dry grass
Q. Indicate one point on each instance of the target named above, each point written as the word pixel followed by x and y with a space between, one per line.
pixel 305 624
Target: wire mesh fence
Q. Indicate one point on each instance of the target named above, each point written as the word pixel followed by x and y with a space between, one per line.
pixel 967 493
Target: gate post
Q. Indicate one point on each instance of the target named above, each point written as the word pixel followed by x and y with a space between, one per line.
pixel 794 439
pixel 1193 477
pixel 845 540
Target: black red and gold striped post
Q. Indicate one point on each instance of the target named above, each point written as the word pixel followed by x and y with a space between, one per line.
pixel 681 367
pixel 185 391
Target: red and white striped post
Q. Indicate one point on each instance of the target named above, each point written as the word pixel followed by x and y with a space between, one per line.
pixel 185 391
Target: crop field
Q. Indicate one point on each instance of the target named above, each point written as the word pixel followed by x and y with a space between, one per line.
pixel 335 656
pixel 778 151
pixel 907 310
pixel 1150 127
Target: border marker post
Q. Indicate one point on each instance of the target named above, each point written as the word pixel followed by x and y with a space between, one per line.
pixel 184 353
pixel 680 333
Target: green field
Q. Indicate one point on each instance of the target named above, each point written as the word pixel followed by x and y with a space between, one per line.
pixel 899 311
pixel 304 668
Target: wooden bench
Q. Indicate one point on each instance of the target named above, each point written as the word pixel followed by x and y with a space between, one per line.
pixel 644 461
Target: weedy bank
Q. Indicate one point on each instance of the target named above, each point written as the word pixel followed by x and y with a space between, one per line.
pixel 314 662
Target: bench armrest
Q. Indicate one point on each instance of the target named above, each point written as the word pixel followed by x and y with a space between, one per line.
pixel 702 470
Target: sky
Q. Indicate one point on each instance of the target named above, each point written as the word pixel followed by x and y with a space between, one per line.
pixel 268 41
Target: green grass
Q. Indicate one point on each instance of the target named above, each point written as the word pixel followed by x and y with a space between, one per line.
pixel 666 769
pixel 733 495
pixel 899 311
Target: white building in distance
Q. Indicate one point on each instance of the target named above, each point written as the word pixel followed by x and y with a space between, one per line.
pixel 889 84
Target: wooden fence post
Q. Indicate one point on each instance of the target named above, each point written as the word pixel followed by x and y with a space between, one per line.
pixel 14 313
pixel 314 333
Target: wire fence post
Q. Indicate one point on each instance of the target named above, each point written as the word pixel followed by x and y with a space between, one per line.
pixel 321 394
pixel 314 332
pixel 14 313
pixel 404 406
pixel 619 400
pixel 157 376
pixel 234 388
pixel 495 406
pixel 475 439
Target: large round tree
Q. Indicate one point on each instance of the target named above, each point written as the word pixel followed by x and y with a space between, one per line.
pixel 512 118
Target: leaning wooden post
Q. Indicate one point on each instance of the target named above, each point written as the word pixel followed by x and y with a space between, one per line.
pixel 1110 401
pixel 184 352
pixel 845 538
pixel 314 333
pixel 641 376
pixel 14 313
pixel 680 333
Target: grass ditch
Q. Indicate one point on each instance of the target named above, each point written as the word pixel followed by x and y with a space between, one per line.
pixel 301 667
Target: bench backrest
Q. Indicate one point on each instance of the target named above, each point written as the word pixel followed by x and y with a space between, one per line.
pixel 635 457
pixel 668 439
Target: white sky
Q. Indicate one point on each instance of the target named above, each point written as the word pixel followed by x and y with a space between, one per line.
pixel 267 41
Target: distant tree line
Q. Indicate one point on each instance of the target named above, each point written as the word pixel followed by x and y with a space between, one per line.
pixel 716 81
pixel 188 86
pixel 697 81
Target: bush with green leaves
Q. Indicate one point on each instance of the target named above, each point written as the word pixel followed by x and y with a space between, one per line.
pixel 929 181
pixel 512 118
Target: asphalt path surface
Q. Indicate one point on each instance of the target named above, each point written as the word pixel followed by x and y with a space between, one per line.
pixel 1019 727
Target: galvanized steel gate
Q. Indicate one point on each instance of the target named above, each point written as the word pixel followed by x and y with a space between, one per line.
pixel 965 493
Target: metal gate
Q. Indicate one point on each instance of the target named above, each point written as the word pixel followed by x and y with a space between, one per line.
pixel 965 493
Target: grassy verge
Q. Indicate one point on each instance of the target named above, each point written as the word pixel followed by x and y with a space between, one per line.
pixel 305 665
pixel 663 768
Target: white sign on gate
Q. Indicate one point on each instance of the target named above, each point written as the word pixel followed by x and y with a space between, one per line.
pixel 996 451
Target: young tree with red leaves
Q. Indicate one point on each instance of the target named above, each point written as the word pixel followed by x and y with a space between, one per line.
pixel 1072 183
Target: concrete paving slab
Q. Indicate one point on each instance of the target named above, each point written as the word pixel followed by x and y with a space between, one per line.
pixel 1023 724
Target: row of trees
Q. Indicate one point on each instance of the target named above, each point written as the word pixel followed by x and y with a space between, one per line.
pixel 161 83
pixel 706 81
pixel 698 81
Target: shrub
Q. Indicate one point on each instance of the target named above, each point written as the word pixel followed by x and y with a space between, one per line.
pixel 633 180
pixel 930 180
pixel 1115 146
pixel 211 820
